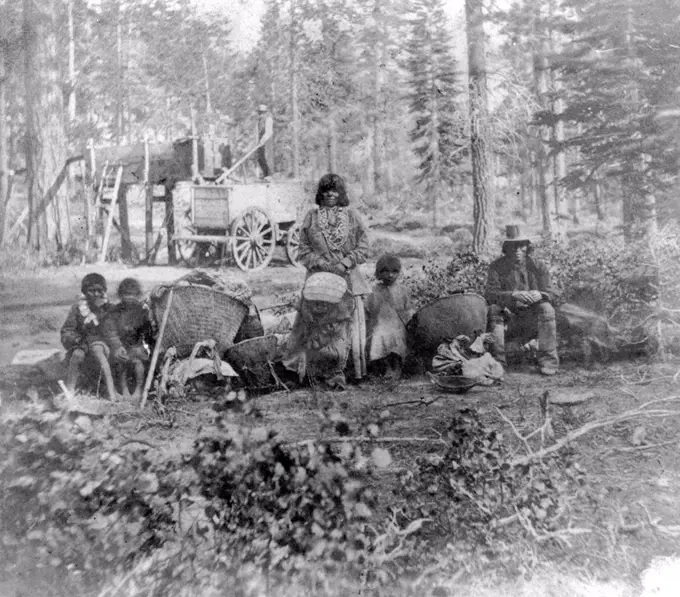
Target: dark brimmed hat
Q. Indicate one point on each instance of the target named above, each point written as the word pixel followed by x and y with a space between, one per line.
pixel 514 236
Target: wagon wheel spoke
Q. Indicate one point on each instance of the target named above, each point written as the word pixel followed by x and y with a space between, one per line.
pixel 253 240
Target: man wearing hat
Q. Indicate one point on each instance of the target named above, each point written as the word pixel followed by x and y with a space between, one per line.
pixel 265 140
pixel 520 295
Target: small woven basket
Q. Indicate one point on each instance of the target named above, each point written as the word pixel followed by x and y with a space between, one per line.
pixel 253 360
pixel 200 313
pixel 324 287
pixel 455 384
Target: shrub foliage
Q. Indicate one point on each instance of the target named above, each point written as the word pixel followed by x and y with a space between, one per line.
pixel 603 275
pixel 244 505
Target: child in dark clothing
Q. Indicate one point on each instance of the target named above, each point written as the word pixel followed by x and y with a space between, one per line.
pixel 134 329
pixel 388 310
pixel 89 334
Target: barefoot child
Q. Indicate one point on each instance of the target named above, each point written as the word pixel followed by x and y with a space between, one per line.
pixel 88 334
pixel 134 329
pixel 388 310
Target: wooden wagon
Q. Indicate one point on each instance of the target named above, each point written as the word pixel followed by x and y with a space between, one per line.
pixel 247 220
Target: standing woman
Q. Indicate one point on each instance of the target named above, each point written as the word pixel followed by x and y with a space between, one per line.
pixel 333 239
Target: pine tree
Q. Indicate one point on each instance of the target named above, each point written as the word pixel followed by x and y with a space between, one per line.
pixel 436 137
pixel 381 80
pixel 621 69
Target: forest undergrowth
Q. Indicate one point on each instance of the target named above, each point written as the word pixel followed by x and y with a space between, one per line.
pixel 385 490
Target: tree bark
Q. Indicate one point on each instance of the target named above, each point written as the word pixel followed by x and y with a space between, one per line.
pixel 559 158
pixel 45 132
pixel 71 102
pixel 483 209
pixel 434 180
pixel 599 200
pixel 332 143
pixel 545 174
pixel 120 108
pixel 294 106
pixel 4 154
pixel 638 205
pixel 378 147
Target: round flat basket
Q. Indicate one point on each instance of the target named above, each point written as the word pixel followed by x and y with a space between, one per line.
pixel 253 361
pixel 454 384
pixel 200 313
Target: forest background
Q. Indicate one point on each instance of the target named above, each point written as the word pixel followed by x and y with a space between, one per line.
pixel 572 120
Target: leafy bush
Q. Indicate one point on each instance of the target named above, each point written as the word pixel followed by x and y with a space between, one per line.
pixel 598 274
pixel 466 271
pixel 474 490
pixel 603 275
pixel 69 504
pixel 287 509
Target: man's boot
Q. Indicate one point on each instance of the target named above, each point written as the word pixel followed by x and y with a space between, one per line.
pixel 496 327
pixel 548 361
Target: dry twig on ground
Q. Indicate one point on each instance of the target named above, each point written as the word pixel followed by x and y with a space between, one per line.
pixel 642 411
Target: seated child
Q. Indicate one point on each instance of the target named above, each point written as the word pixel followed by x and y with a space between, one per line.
pixel 88 334
pixel 388 310
pixel 133 324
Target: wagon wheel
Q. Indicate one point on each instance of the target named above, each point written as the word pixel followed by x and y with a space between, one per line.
pixel 253 239
pixel 293 244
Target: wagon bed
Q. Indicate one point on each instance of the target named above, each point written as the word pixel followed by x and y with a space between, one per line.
pixel 247 220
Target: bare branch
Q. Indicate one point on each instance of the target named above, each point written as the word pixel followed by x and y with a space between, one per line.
pixel 635 413
pixel 377 440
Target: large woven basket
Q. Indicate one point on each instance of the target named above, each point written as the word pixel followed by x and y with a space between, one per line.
pixel 253 360
pixel 442 320
pixel 199 313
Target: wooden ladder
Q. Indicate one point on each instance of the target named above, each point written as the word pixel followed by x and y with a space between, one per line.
pixel 111 207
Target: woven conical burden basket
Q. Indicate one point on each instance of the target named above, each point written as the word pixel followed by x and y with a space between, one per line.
pixel 199 313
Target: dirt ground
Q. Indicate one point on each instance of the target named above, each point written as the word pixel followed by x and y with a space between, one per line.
pixel 633 473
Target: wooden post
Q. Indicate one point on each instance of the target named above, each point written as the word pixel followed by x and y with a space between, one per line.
pixel 7 199
pixel 100 189
pixel 109 223
pixel 87 199
pixel 156 351
pixel 170 225
pixel 195 172
pixel 148 204
pixel 93 160
pixel 125 241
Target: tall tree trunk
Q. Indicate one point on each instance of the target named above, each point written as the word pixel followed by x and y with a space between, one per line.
pixel 599 199
pixel 4 154
pixel 562 210
pixel 206 79
pixel 36 231
pixel 119 74
pixel 377 118
pixel 484 207
pixel 45 132
pixel 559 158
pixel 435 173
pixel 71 101
pixel 332 143
pixel 369 163
pixel 294 106
pixel 545 174
pixel 127 61
pixel 638 205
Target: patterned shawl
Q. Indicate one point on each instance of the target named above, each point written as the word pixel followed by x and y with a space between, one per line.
pixel 334 224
